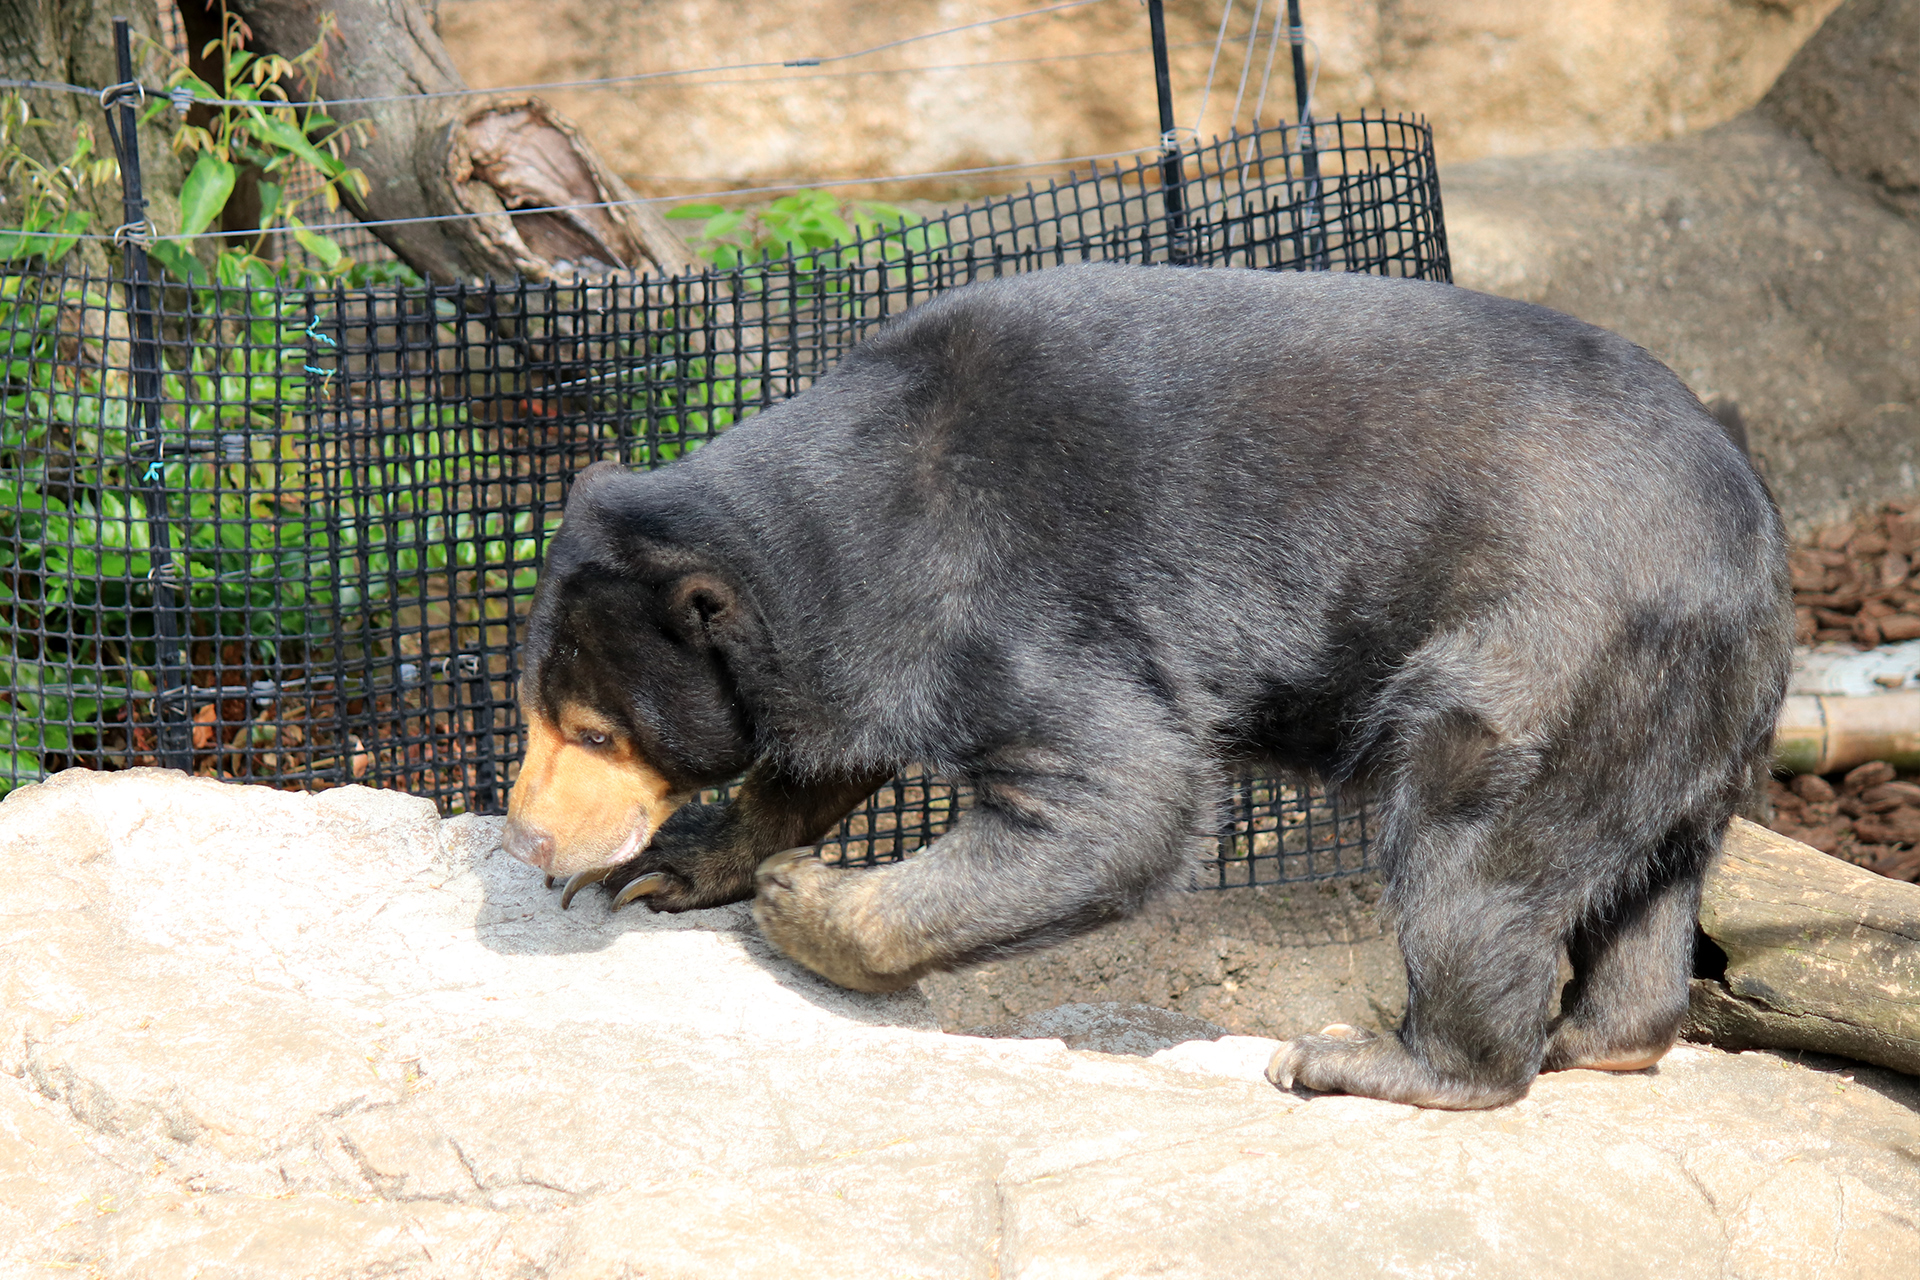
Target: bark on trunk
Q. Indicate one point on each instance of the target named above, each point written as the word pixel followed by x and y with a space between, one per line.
pixel 485 154
pixel 71 42
pixel 1819 954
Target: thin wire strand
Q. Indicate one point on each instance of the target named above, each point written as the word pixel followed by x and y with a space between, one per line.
pixel 1246 62
pixel 1219 39
pixel 1063 162
pixel 943 66
pixel 7 82
pixel 638 77
pixel 1273 47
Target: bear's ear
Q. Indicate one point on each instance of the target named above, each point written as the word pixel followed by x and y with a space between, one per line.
pixel 591 477
pixel 702 605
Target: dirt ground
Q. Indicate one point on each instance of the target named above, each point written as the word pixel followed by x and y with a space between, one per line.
pixel 1273 961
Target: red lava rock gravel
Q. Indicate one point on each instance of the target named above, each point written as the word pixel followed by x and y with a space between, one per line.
pixel 1857 581
pixel 1872 819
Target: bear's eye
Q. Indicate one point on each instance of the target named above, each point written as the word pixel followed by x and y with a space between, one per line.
pixel 593 738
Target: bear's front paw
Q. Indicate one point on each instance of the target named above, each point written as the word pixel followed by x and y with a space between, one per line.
pixel 827 919
pixel 689 864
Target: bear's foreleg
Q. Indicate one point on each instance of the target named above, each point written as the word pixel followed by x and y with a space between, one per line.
pixel 1040 858
pixel 705 855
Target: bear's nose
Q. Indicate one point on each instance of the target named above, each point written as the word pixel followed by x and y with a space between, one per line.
pixel 529 844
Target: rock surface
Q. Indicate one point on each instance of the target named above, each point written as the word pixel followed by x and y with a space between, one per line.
pixel 1745 262
pixel 1494 76
pixel 249 1033
pixel 1853 91
pixel 1773 262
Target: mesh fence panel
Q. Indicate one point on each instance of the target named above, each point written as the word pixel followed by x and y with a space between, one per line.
pixel 337 499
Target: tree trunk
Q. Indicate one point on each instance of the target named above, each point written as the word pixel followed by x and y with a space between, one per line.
pixel 1820 954
pixel 71 42
pixel 483 154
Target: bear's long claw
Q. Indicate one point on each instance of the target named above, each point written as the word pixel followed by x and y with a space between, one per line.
pixel 1279 1069
pixel 652 882
pixel 549 880
pixel 580 881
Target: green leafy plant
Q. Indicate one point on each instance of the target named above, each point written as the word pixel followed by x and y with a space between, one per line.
pixel 282 548
pixel 813 228
pixel 81 499
pixel 49 225
pixel 259 125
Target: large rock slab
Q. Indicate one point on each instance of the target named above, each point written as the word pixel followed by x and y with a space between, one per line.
pixel 251 1033
pixel 1741 258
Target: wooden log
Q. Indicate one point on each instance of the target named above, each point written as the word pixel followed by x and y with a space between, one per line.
pixel 1820 954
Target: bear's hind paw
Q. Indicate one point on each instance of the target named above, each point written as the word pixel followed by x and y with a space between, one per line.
pixel 1343 1059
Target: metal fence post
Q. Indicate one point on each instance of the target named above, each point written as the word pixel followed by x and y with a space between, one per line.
pixel 173 716
pixel 1173 180
pixel 1315 214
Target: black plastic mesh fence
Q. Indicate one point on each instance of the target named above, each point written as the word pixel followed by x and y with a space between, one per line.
pixel 310 573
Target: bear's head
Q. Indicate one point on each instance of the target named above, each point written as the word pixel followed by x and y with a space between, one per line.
pixel 625 693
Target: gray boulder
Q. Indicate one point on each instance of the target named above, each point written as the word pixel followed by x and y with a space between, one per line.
pixel 252 1033
pixel 1773 262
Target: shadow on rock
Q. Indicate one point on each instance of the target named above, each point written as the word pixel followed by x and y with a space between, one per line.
pixel 516 914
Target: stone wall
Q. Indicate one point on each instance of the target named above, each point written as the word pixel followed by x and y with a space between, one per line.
pixel 1496 76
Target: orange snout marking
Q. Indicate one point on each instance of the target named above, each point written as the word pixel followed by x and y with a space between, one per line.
pixel 584 798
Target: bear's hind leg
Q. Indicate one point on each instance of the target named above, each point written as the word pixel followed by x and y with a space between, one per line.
pixel 1623 1008
pixel 1481 911
pixel 1481 961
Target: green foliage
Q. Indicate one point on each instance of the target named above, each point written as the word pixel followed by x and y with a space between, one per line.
pixel 77 520
pixel 49 226
pixel 262 129
pixel 285 551
pixel 814 229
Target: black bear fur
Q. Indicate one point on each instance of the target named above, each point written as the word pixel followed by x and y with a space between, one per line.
pixel 1094 537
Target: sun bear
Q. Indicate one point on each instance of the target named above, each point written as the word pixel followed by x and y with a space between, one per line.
pixel 1095 537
